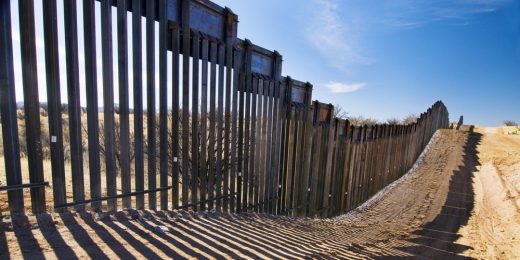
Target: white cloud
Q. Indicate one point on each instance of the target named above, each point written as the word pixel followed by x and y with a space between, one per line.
pixel 339 30
pixel 340 87
pixel 412 14
pixel 335 38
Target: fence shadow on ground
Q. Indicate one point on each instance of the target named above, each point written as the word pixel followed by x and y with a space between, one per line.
pixel 133 235
pixel 436 239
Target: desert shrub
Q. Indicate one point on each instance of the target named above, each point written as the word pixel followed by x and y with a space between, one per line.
pixel 20 114
pixel 410 119
pixel 45 140
pixel 43 112
pixel 361 120
pixel 510 123
pixel 393 121
pixel 117 137
pixel 64 108
pixel 205 142
pixel 44 109
pixel 21 134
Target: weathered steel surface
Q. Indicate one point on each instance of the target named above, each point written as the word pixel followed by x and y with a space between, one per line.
pixel 163 104
pixel 220 170
pixel 8 109
pixel 175 113
pixel 124 117
pixel 203 166
pixel 31 101
pixel 185 99
pixel 89 30
pixel 73 89
pixel 138 101
pixel 242 136
pixel 54 104
pixel 194 178
pixel 108 102
pixel 150 104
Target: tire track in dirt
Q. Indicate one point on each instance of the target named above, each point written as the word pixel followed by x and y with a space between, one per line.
pixel 494 225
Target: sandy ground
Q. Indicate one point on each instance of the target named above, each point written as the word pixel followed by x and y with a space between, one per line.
pixel 457 202
pixel 494 226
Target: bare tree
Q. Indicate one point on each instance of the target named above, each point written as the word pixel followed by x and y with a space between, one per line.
pixel 410 119
pixel 393 121
pixel 361 120
pixel 117 148
pixel 510 123
pixel 340 112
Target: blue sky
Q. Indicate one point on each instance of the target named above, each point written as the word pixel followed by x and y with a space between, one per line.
pixel 386 59
pixel 377 58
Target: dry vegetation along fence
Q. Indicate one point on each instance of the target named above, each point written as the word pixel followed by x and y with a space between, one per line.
pixel 230 134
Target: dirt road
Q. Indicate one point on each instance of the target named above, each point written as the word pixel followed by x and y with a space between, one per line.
pixel 457 202
pixel 494 226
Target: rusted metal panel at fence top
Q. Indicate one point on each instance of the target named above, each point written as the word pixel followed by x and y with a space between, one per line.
pixel 300 92
pixel 205 16
pixel 259 61
pixel 342 126
pixel 323 113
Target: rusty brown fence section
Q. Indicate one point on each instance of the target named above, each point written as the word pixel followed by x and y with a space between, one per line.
pixel 218 129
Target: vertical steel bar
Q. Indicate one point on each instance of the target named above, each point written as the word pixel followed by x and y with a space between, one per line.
pixel 8 111
pixel 185 98
pixel 247 92
pixel 138 101
pixel 262 199
pixel 306 165
pixel 203 124
pixel 258 194
pixel 195 119
pixel 239 69
pixel 220 172
pixel 251 173
pixel 163 104
pixel 268 150
pixel 175 113
pixel 124 120
pixel 227 107
pixel 234 163
pixel 89 27
pixel 150 104
pixel 278 104
pixel 50 28
pixel 31 102
pixel 108 101
pixel 76 146
pixel 212 119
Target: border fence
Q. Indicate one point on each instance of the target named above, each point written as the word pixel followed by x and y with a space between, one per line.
pixel 226 133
